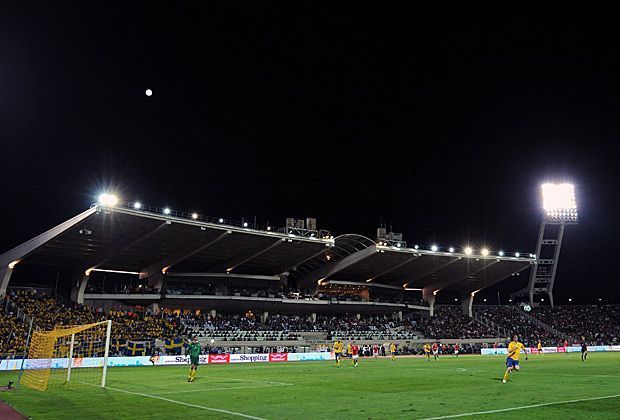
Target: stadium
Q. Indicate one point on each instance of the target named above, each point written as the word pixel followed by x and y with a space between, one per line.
pixel 284 210
pixel 271 302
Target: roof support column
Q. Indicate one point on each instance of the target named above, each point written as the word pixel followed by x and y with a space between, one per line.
pixel 430 298
pixel 467 302
pixel 79 298
pixel 157 281
pixel 5 277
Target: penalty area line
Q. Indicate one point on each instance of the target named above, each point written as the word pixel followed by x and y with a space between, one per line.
pixel 523 407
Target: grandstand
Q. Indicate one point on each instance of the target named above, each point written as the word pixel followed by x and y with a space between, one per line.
pixel 151 247
pixel 161 274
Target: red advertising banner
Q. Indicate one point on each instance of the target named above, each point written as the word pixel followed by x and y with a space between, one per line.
pixel 533 350
pixel 219 358
pixel 561 349
pixel 278 357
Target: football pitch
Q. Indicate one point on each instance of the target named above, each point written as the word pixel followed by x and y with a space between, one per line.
pixel 548 386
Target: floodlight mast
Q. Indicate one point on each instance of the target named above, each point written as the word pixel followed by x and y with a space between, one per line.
pixel 559 210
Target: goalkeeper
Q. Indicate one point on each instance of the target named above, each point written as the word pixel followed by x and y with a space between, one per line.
pixel 194 356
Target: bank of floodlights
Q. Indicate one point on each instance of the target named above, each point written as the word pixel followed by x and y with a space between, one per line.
pixel 108 200
pixel 559 203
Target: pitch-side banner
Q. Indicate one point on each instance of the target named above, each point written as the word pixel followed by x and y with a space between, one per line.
pixel 559 349
pixel 16 364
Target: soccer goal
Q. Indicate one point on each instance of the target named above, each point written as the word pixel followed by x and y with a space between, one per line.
pixel 75 355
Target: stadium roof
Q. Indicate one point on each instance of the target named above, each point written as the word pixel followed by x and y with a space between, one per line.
pixel 149 241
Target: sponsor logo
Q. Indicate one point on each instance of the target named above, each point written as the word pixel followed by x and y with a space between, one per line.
pixel 219 358
pixel 249 358
pixel 278 357
pixel 561 349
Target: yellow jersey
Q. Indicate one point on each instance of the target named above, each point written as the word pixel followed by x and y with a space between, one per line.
pixel 348 348
pixel 539 346
pixel 427 348
pixel 338 347
pixel 514 349
pixel 392 348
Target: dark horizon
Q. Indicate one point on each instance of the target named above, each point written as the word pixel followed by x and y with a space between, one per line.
pixel 443 127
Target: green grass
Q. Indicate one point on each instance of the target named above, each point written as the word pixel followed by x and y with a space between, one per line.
pixel 376 389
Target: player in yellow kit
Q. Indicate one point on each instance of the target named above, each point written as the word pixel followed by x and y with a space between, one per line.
pixel 338 351
pixel 393 351
pixel 512 361
pixel 427 352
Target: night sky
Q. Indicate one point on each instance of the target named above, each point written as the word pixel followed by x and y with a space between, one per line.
pixel 441 126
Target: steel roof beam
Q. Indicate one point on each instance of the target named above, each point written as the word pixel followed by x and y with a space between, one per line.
pixel 21 251
pixel 389 270
pixel 105 255
pixel 169 261
pixel 490 283
pixel 244 259
pixel 327 270
pixel 438 285
pixel 431 271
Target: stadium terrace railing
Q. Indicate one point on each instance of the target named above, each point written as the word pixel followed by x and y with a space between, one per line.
pixel 546 327
pixel 243 224
pixel 20 314
pixel 481 319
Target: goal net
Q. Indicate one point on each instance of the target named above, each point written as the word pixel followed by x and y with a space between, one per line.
pixel 74 355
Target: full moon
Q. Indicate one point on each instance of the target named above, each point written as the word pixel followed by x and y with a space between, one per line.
pixel 148 92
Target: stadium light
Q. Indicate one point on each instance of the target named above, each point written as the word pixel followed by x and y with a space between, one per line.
pixel 517 254
pixel 12 264
pixel 570 299
pixel 268 227
pixel 455 299
pixel 434 248
pixel 194 216
pixel 559 202
pixel 137 205
pixel 484 252
pixel 416 247
pixel 501 253
pixel 245 224
pixel 451 250
pixel 468 250
pixel 108 200
pixel 166 210
pixel 221 220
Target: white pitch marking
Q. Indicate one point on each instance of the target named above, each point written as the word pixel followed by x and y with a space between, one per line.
pixel 523 407
pixel 218 389
pixel 202 407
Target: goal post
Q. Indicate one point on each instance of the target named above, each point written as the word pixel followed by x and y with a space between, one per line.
pixel 68 355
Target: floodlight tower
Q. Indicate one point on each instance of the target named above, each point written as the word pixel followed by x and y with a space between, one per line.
pixel 559 210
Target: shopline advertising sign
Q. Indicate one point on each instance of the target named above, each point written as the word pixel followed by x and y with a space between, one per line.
pixel 15 364
pixel 559 349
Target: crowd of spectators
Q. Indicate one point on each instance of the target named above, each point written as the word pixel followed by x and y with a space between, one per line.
pixel 598 324
pixel 13 333
pixel 513 320
pixel 449 322
pixel 49 312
